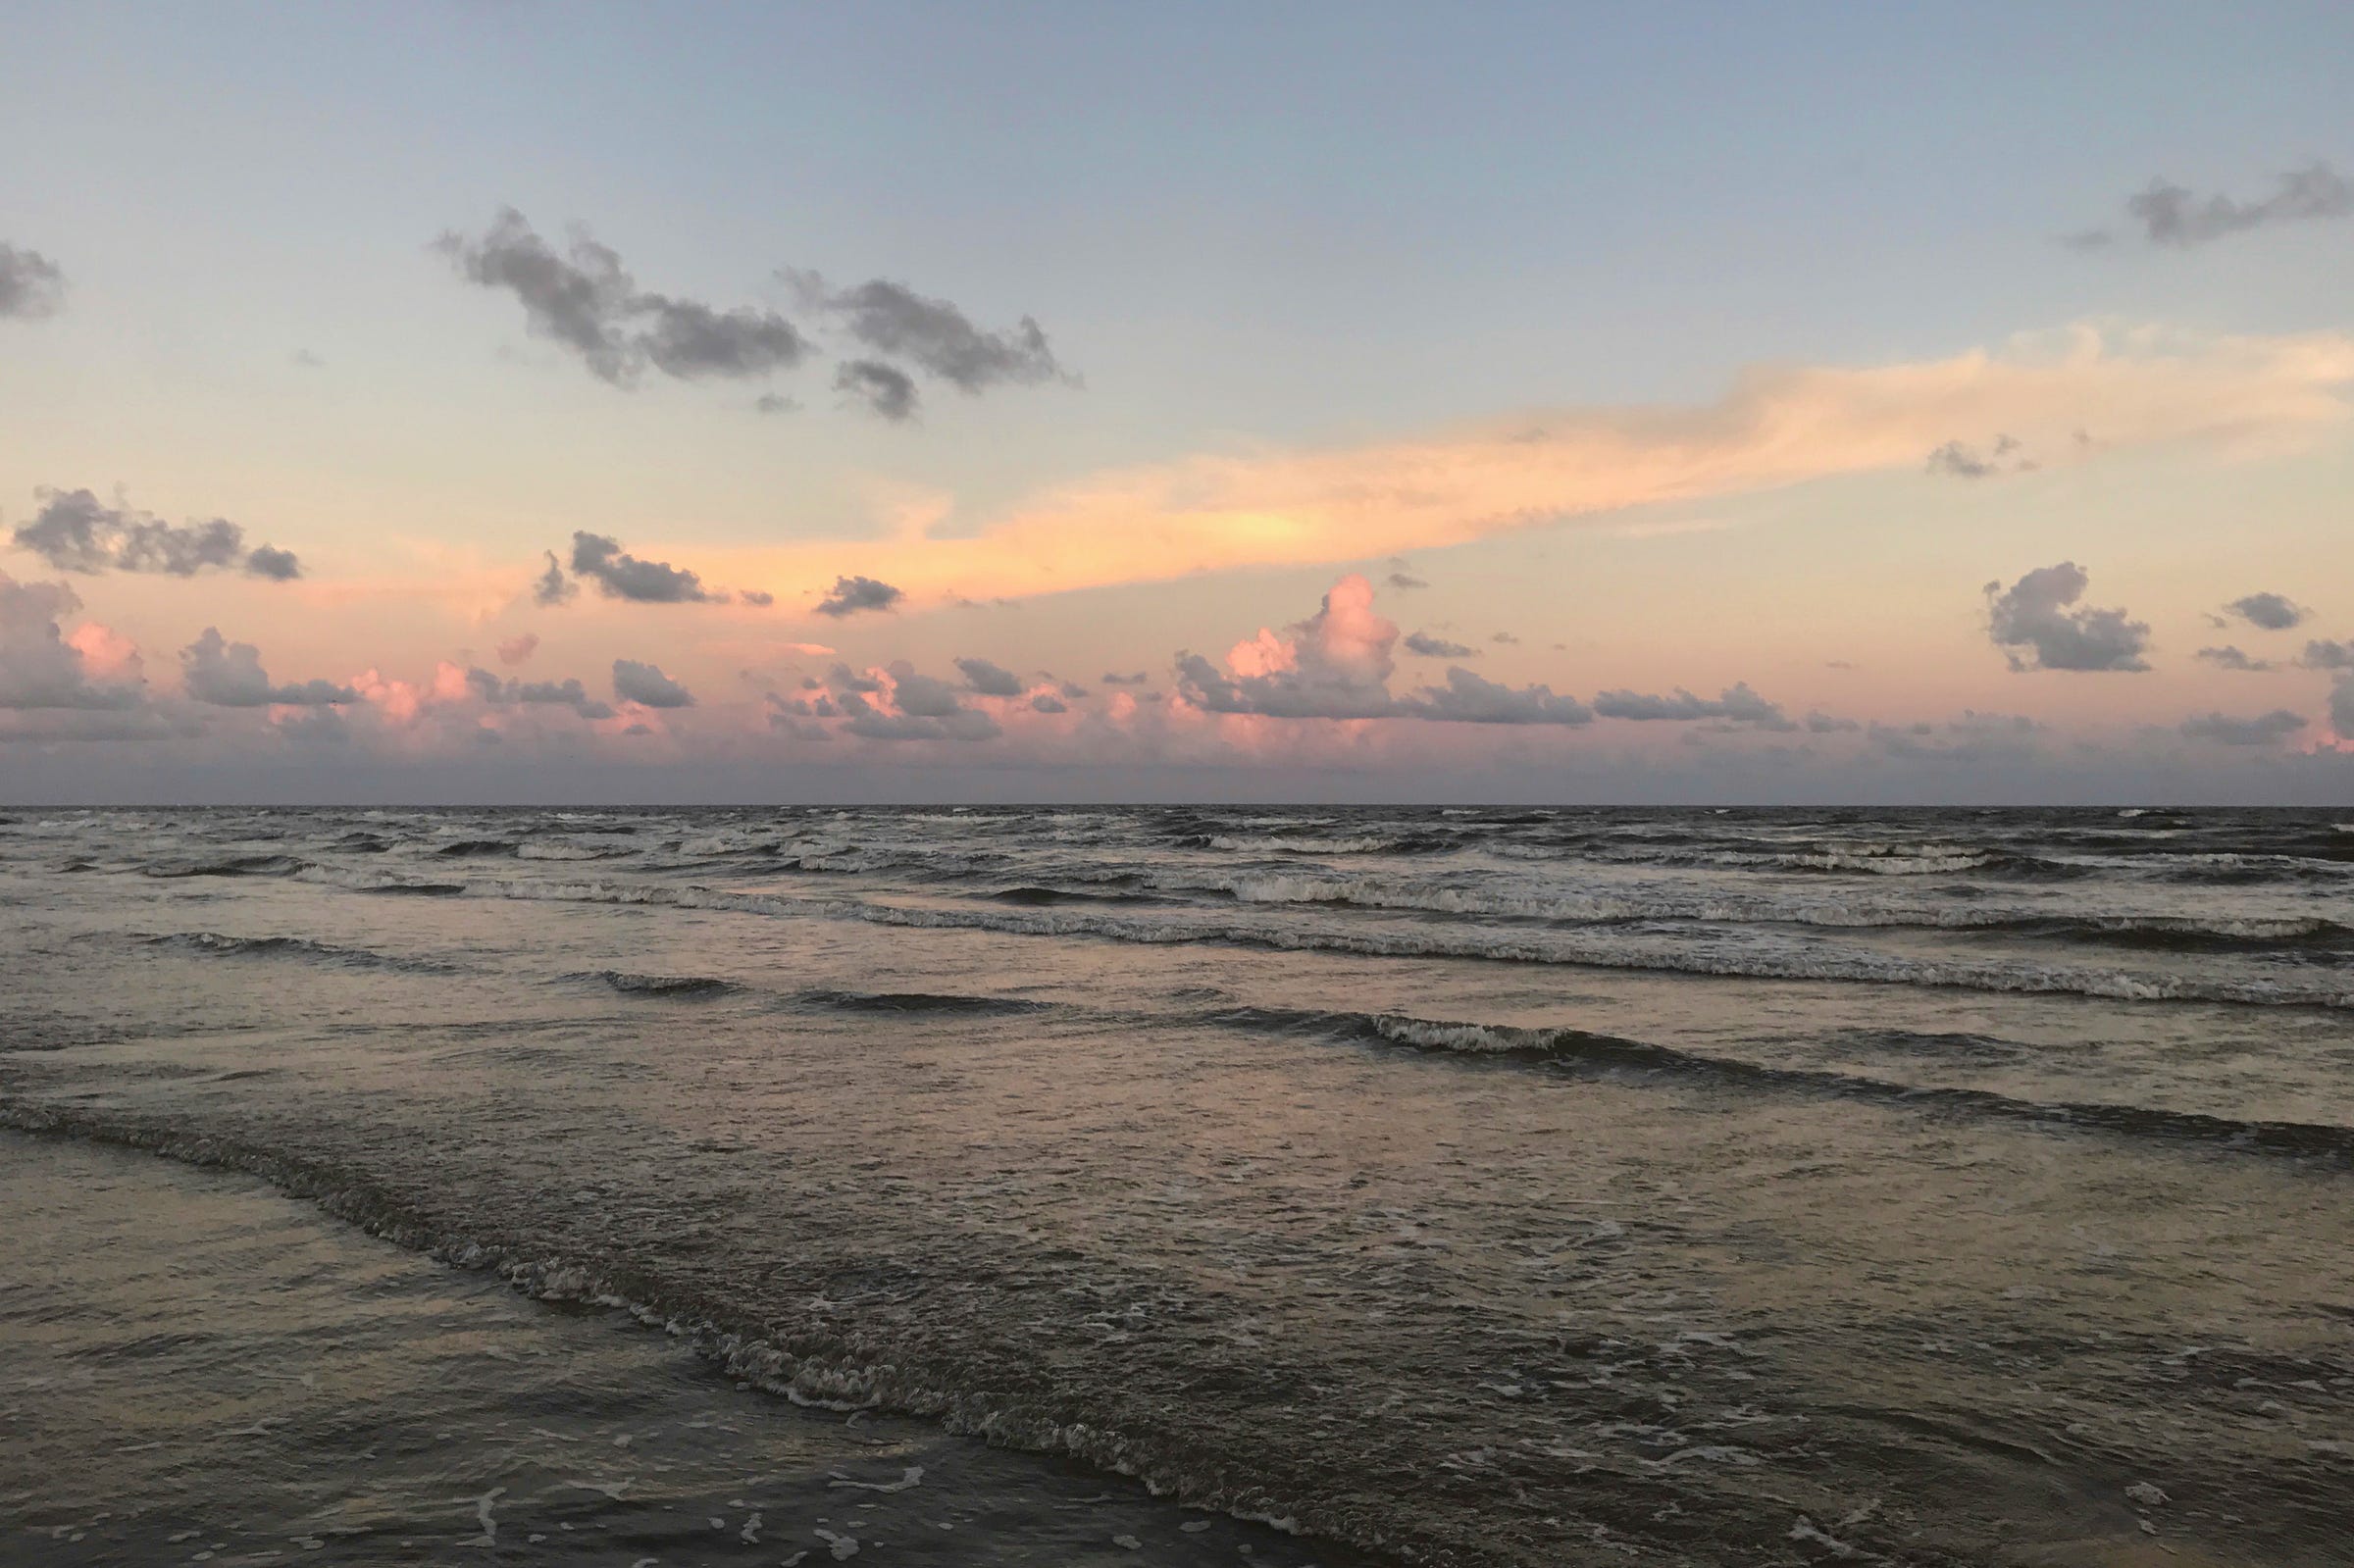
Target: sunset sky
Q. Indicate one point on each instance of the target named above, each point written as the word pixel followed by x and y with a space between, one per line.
pixel 482 401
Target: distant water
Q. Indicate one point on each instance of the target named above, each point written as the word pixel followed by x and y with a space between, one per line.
pixel 1466 1185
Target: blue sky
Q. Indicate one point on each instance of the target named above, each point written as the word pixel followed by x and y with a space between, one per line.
pixel 1250 237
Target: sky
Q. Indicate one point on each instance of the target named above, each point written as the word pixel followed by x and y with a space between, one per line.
pixel 499 400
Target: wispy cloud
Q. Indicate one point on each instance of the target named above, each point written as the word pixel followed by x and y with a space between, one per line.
pixel 2177 216
pixel 1777 428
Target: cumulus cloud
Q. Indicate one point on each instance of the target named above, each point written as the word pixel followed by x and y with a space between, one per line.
pixel 2273 612
pixel 2327 653
pixel 1737 702
pixel 886 389
pixel 646 686
pixel 42 667
pixel 519 649
pixel 75 532
pixel 31 284
pixel 991 680
pixel 852 594
pixel 621 575
pixel 1467 699
pixel 228 675
pixel 2263 730
pixel 871 723
pixel 587 301
pixel 892 320
pixel 1425 645
pixel 2177 216
pixel 2032 622
pixel 566 693
pixel 898 703
pixel 1334 665
pixel 1337 664
pixel 2230 657
pixel 1048 702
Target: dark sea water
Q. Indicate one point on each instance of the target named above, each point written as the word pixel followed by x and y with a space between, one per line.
pixel 1456 1185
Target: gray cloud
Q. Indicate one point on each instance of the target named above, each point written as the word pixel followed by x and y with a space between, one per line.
pixel 1828 723
pixel 39 666
pixel 1737 702
pixel 932 334
pixel 2325 653
pixel 1467 699
pixel 2272 611
pixel 759 598
pixel 75 532
pixel 884 388
pixel 2031 622
pixel 619 576
pixel 1112 677
pixel 517 649
pixel 2175 215
pixel 567 693
pixel 646 686
pixel 1974 737
pixel 1430 648
pixel 1505 637
pixel 1962 461
pixel 2341 709
pixel 230 675
pixel 31 284
pixel 921 694
pixel 929 710
pixel 991 680
pixel 1047 702
pixel 2264 730
pixel 269 561
pixel 552 588
pixel 852 594
pixel 2228 657
pixel 587 301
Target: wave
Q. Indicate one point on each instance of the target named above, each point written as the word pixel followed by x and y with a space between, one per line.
pixel 1035 896
pixel 1361 844
pixel 529 849
pixel 1598 948
pixel 675 985
pixel 477 846
pixel 230 866
pixel 2161 931
pixel 821 1368
pixel 1584 1050
pixel 916 1001
pixel 368 882
pixel 218 946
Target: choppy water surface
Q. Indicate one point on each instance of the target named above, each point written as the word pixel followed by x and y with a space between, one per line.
pixel 1466 1186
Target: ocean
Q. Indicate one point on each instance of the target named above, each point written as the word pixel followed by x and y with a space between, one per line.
pixel 1452 1185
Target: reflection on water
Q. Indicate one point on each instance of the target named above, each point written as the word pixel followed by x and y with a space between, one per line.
pixel 1473 1187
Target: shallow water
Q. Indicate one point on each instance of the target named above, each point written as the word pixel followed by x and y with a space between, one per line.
pixel 197 1369
pixel 1481 1187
